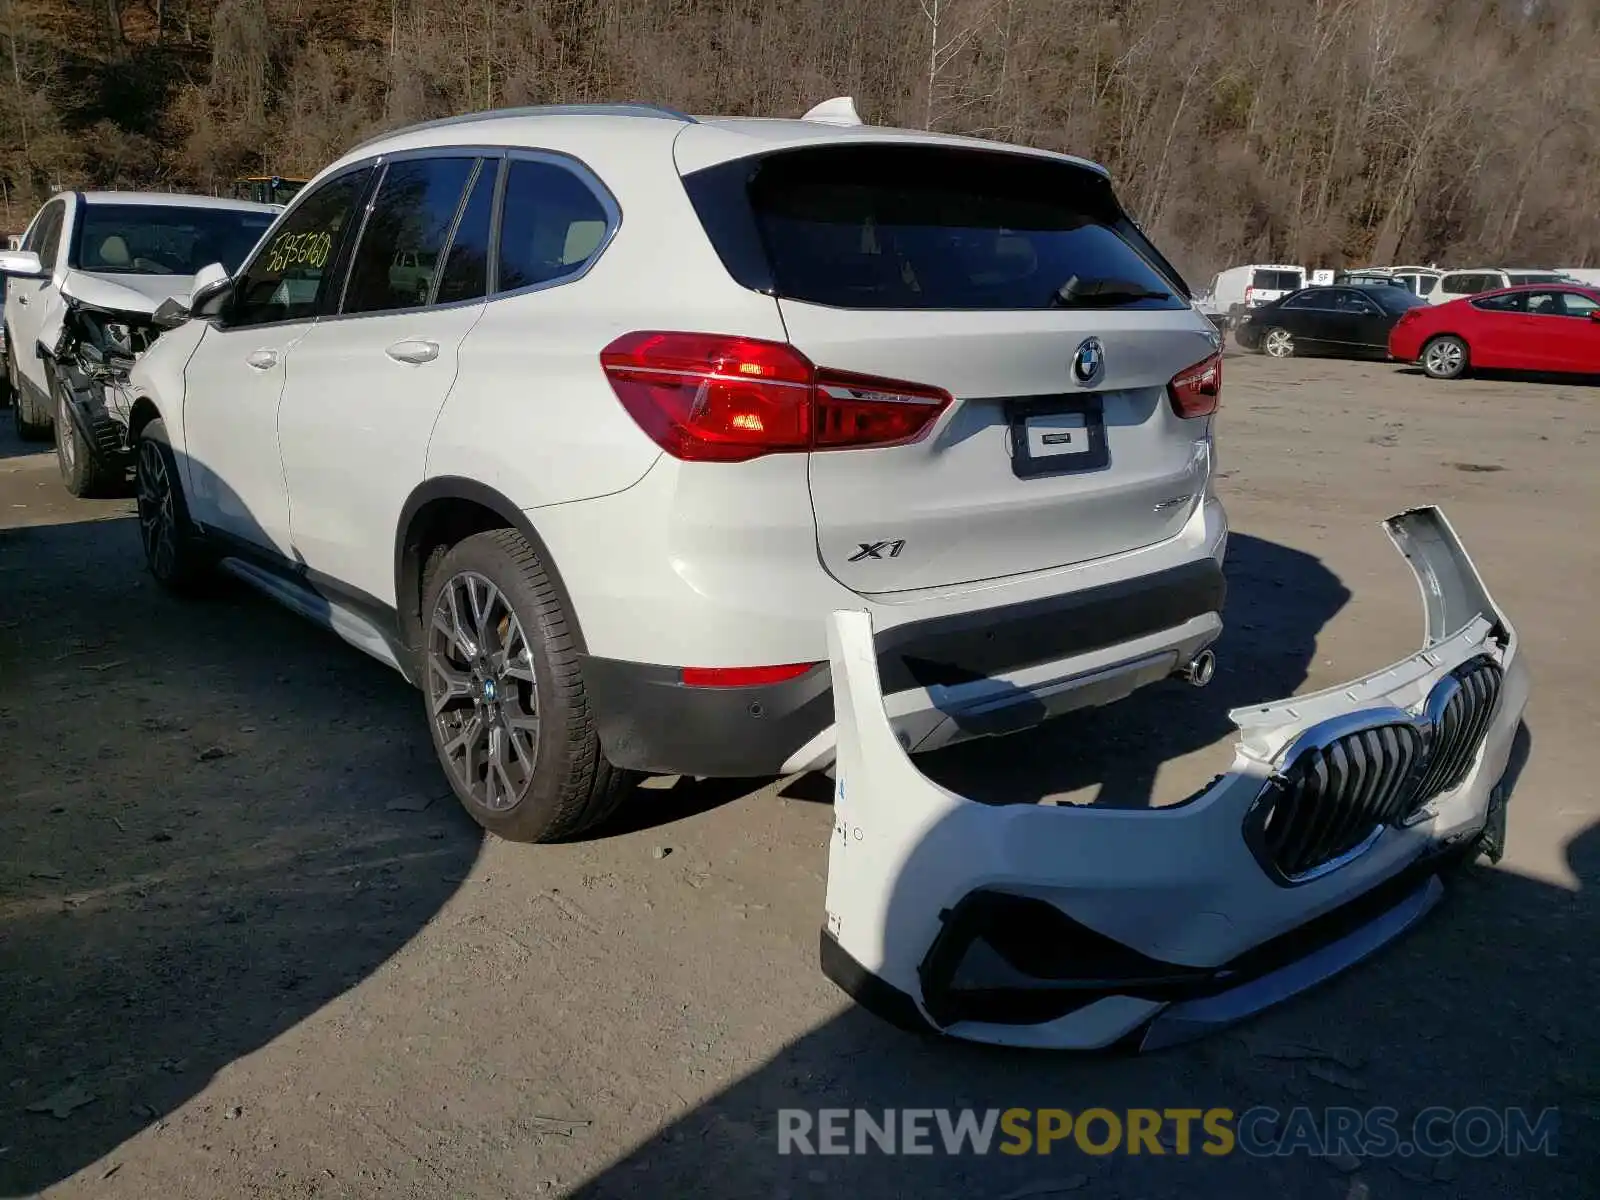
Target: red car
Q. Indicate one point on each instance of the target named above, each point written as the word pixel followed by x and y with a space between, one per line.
pixel 1543 327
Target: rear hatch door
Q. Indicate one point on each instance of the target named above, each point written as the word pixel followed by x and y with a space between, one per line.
pixel 945 268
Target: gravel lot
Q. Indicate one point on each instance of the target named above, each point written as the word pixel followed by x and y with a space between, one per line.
pixel 246 951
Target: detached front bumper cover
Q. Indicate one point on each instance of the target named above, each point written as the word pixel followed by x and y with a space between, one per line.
pixel 1083 927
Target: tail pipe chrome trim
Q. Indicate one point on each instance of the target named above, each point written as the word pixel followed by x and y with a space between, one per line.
pixel 1199 670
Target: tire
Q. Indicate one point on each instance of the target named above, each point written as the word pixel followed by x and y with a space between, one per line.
pixel 1277 342
pixel 173 550
pixel 504 698
pixel 1445 357
pixel 83 471
pixel 30 426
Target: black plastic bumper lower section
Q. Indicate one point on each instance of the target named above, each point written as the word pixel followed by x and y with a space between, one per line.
pixel 881 999
pixel 1072 967
pixel 649 720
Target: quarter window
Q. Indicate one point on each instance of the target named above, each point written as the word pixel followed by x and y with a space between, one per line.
pixel 552 225
pixel 290 276
pixel 405 234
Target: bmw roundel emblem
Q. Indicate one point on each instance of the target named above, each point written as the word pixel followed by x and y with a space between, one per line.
pixel 1089 363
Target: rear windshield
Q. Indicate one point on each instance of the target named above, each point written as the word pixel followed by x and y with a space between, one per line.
pixel 1277 281
pixel 1397 299
pixel 917 227
pixel 151 239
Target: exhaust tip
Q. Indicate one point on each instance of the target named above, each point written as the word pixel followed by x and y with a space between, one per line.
pixel 1199 670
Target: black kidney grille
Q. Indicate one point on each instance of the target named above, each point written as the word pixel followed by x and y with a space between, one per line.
pixel 1459 725
pixel 1331 798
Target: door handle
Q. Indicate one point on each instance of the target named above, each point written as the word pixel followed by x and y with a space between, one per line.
pixel 262 360
pixel 413 351
pixel 22 300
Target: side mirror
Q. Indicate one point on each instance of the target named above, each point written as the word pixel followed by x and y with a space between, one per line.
pixel 24 264
pixel 211 290
pixel 1594 314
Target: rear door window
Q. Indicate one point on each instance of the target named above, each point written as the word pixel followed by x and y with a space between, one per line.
pixel 1544 304
pixel 1353 302
pixel 913 227
pixel 466 269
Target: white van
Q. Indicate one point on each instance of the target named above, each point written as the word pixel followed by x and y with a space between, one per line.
pixel 1254 284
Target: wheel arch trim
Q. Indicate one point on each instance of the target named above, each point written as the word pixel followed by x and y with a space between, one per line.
pixel 408 559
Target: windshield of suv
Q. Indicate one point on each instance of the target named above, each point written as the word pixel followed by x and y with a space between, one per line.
pixel 1534 277
pixel 1277 281
pixel 152 239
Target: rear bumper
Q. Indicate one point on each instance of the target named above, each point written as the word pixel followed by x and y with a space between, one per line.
pixel 976 673
pixel 1081 927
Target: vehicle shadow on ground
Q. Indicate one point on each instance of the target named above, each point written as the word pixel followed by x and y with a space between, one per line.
pixel 1278 602
pixel 217 820
pixel 12 446
pixel 1486 1004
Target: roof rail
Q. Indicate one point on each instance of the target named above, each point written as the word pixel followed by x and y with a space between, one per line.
pixel 536 110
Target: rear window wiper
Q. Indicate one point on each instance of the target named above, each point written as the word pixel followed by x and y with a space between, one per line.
pixel 1077 292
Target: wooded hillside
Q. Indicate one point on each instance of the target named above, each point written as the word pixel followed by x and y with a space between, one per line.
pixel 1316 131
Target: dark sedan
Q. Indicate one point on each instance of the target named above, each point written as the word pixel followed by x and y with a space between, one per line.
pixel 1346 321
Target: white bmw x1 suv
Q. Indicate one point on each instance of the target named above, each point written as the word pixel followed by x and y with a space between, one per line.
pixel 675 390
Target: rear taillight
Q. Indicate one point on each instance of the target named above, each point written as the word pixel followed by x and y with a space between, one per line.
pixel 706 397
pixel 1196 391
pixel 1249 294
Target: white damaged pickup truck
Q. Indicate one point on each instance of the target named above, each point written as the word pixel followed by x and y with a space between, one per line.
pixel 1086 927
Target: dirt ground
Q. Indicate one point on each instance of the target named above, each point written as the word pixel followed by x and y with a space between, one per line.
pixel 247 951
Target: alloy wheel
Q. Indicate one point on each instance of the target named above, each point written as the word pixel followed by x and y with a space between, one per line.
pixel 1278 343
pixel 158 522
pixel 1443 358
pixel 482 695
